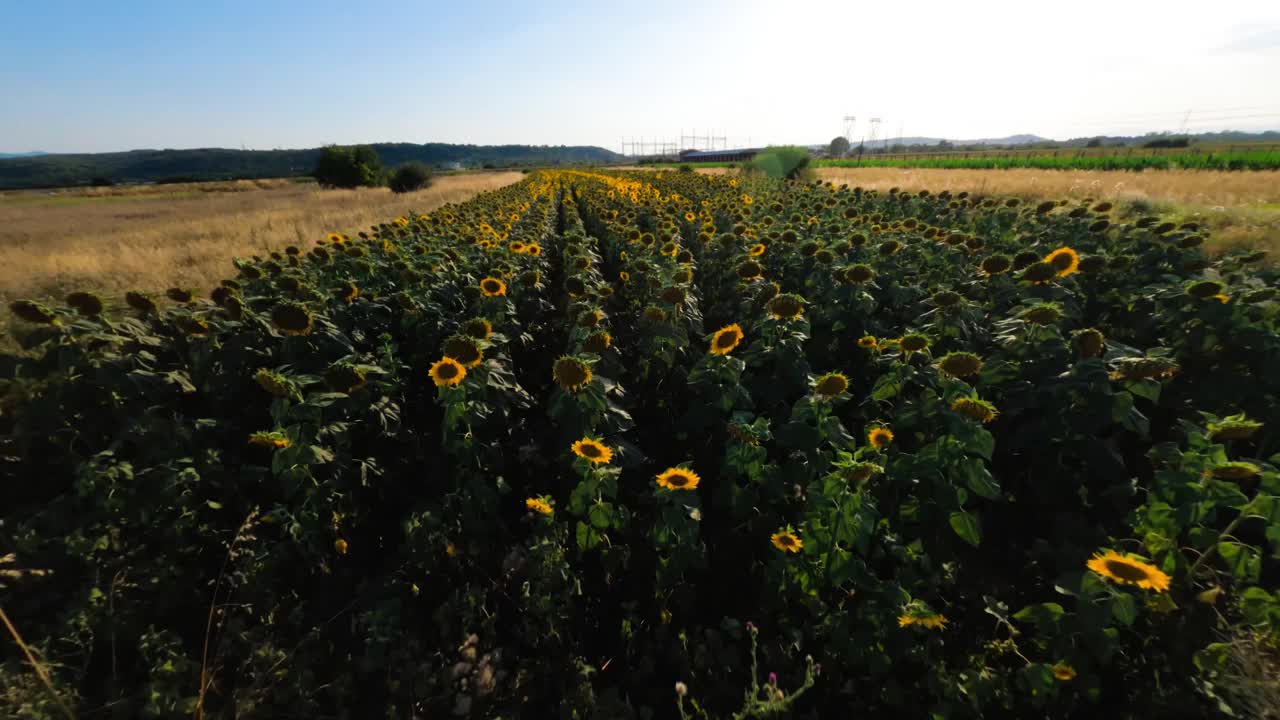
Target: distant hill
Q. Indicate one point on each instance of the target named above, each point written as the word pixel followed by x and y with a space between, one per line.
pixel 917 141
pixel 134 166
pixel 33 153
pixel 1025 140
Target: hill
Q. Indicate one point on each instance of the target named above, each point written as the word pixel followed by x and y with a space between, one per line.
pixel 33 153
pixel 135 166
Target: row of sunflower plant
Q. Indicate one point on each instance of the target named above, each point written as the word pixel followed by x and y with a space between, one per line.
pixel 594 436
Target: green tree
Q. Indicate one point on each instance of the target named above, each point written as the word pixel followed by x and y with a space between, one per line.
pixel 409 177
pixel 839 147
pixel 783 161
pixel 349 167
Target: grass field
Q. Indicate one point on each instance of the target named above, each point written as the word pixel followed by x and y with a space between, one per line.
pixel 1127 160
pixel 1242 208
pixel 152 237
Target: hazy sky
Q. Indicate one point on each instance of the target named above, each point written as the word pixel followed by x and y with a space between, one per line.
pixel 97 76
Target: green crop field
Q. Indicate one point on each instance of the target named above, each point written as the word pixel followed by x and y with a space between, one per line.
pixel 636 444
pixel 1068 160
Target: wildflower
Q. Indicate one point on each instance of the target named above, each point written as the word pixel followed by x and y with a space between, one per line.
pixel 788 306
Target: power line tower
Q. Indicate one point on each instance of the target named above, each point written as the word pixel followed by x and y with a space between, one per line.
pixel 850 123
pixel 874 132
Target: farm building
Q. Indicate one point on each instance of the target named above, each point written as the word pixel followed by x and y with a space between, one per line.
pixel 739 155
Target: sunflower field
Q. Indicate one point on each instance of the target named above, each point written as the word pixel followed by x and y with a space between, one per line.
pixel 657 445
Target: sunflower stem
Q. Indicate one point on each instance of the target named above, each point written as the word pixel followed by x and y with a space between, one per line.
pixel 1213 549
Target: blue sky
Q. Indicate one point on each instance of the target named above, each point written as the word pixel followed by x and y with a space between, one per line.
pixel 93 76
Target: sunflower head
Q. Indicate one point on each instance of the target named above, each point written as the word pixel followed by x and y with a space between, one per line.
pixel 1236 471
pixel 756 250
pixel 653 313
pixel 492 287
pixel 960 364
pixel 1126 569
pixel 87 304
pixel 291 318
pixel 478 328
pixel 673 295
pixel 946 298
pixel 597 342
pixel 1204 289
pixel 270 440
pixel 970 407
pixel 996 264
pixel 1089 342
pixel 880 437
pixel 913 342
pixel 1092 264
pixel 1042 314
pixel 571 373
pixel 344 377
pixel 593 451
pixel 859 273
pixel 889 247
pixel 529 278
pixel 1236 427
pixel 590 318
pixel 140 301
pixel 182 295
pixel 1143 368
pixel 274 383
pixel 539 505
pixel 787 541
pixel 921 615
pixel 464 349
pixel 726 339
pixel 33 312
pixel 860 472
pixel 1064 261
pixel 787 306
pixel 868 342
pixel 347 292
pixel 1039 273
pixel 447 372
pixel 831 385
pixel 678 478
pixel 749 270
pixel 1063 672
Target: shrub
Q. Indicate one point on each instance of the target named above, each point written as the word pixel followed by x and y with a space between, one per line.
pixel 786 161
pixel 348 167
pixel 685 168
pixel 410 177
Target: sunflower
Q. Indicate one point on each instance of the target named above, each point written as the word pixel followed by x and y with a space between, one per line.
pixel 624 276
pixel 859 473
pixel 88 303
pixel 1236 427
pixel 539 506
pixel 598 342
pixel 478 328
pixel 347 292
pixel 273 382
pixel 786 541
pixel 291 318
pixel 447 371
pixel 592 450
pixel 590 318
pixel 493 287
pixel 334 237
pixel 880 437
pixel 517 247
pixel 1128 569
pixel 746 199
pixel 1064 261
pixel 274 440
pixel 669 249
pixel 924 619
pixel 654 313
pixel 756 250
pixel 1042 314
pixel 1088 342
pixel 787 306
pixel 960 364
pixel 980 410
pixel 1235 471
pixel 859 273
pixel 571 373
pixel 690 217
pixel 463 349
pixel 1064 672
pixel 831 385
pixel 678 478
pixel 33 312
pixel 867 342
pixel 340 546
pixel 533 249
pixel 140 301
pixel 749 270
pixel 344 377
pixel 914 342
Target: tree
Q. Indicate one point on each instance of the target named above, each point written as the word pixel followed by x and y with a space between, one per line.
pixel 409 177
pixel 785 161
pixel 839 147
pixel 349 167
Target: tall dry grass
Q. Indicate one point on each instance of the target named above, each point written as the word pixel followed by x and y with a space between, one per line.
pixel 110 241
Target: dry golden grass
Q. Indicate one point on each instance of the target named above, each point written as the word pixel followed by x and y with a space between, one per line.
pixel 110 240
